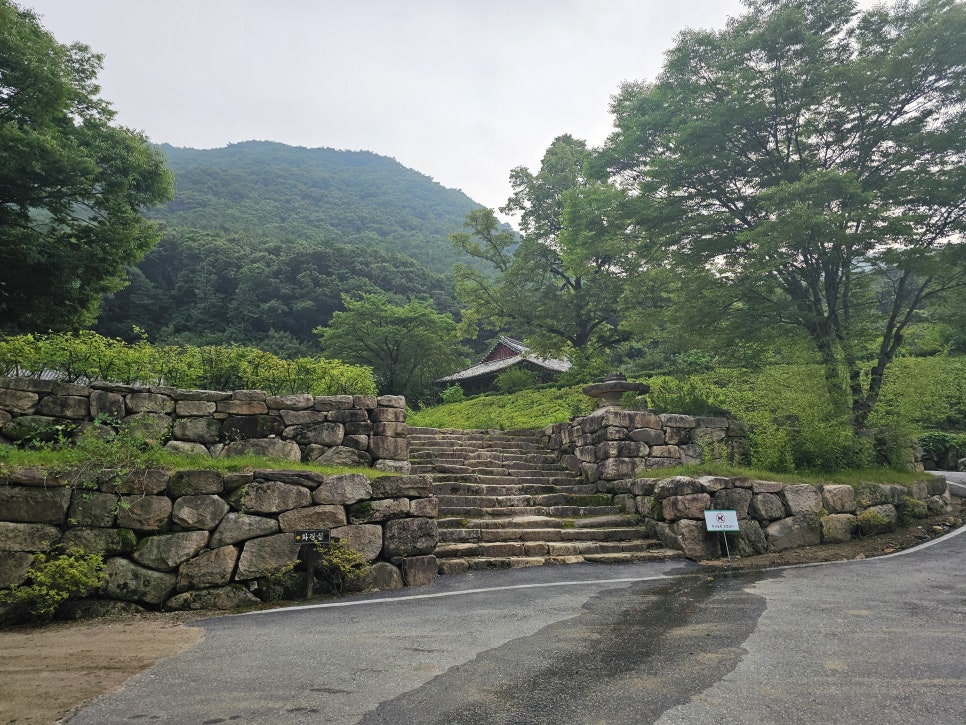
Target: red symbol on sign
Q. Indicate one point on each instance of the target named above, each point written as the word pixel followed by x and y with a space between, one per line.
pixel 720 518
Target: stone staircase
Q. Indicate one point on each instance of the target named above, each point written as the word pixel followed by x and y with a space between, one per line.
pixel 505 502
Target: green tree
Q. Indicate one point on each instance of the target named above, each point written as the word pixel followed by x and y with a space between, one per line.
pixel 807 163
pixel 559 286
pixel 72 185
pixel 407 346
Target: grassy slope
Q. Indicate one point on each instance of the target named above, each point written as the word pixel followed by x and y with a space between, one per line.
pixel 534 409
pixel 919 394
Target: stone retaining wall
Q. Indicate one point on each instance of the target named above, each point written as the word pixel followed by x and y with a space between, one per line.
pixel 771 516
pixel 612 444
pixel 339 430
pixel 202 539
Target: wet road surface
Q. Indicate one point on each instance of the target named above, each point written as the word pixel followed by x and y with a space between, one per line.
pixel 881 640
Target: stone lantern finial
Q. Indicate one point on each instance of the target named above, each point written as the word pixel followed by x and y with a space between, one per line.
pixel 608 393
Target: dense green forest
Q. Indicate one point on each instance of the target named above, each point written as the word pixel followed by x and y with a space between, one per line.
pixel 274 191
pixel 203 287
pixel 262 241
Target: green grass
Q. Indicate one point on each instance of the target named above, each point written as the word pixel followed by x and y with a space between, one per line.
pixel 64 459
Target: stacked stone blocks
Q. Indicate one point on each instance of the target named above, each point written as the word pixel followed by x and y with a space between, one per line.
pixel 771 516
pixel 612 444
pixel 338 430
pixel 201 538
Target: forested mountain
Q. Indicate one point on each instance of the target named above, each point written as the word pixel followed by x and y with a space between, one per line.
pixel 292 193
pixel 262 240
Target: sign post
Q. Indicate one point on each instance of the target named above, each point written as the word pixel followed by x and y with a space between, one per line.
pixel 308 538
pixel 722 521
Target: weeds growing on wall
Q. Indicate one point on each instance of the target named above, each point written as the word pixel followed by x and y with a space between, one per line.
pixel 104 447
pixel 53 579
pixel 285 584
pixel 340 567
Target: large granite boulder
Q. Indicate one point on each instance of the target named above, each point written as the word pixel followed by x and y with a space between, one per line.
pixel 130 582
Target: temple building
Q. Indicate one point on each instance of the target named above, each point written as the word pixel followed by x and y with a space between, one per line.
pixel 505 354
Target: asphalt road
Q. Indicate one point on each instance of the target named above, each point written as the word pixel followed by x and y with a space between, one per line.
pixel 875 641
pixel 956 481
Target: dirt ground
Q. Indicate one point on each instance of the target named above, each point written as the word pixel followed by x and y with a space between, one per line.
pixel 47 672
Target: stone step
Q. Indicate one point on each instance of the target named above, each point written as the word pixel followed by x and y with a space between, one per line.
pixel 543 548
pixel 476 535
pixel 447 501
pixel 546 478
pixel 491 511
pixel 473 508
pixel 490 471
pixel 509 522
pixel 602 522
pixel 459 488
pixel 549 478
pixel 445 478
pixel 473 446
pixel 459 565
pixel 504 460
pixel 558 504
pixel 505 502
pixel 514 460
pixel 463 565
pixel 470 485
pixel 521 520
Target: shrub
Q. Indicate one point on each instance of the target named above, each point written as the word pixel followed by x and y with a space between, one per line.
pixel 942 448
pixel 87 355
pixel 924 393
pixel 515 379
pixel 283 585
pixel 830 445
pixel 452 394
pixel 52 580
pixel 585 367
pixel 340 567
pixel 534 408
pixel 935 443
pixel 108 446
pixel 687 397
pixel 894 448
pixel 770 448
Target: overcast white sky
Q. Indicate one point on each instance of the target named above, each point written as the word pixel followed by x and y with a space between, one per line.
pixel 461 90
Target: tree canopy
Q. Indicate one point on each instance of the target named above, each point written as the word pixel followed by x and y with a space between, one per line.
pixel 203 287
pixel 406 345
pixel 288 193
pixel 72 184
pixel 806 166
pixel 560 283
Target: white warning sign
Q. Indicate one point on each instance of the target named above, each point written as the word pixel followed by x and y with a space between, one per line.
pixel 721 520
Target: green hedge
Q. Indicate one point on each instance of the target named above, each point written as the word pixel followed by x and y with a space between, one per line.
pixel 87 356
